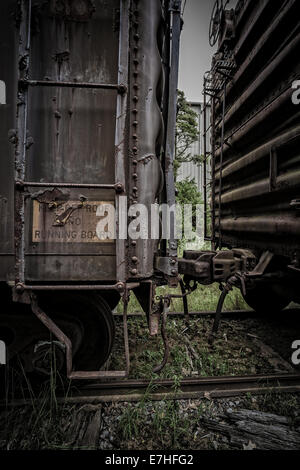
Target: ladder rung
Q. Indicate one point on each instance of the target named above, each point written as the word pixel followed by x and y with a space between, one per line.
pixel 120 88
pixel 119 187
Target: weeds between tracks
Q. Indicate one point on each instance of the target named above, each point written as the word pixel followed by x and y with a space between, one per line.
pixel 46 424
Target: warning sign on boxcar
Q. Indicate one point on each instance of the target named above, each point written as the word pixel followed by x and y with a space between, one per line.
pixel 73 222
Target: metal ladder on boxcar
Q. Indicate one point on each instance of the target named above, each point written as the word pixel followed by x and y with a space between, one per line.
pixel 214 87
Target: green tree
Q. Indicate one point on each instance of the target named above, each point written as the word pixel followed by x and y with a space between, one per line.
pixel 186 133
pixel 187 193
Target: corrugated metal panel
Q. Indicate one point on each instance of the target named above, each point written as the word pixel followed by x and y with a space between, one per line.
pixel 258 171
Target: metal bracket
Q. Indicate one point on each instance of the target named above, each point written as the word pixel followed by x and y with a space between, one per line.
pixel 263 263
pixel 62 338
pixel 168 266
pixel 175 6
pixel 165 304
pixel 64 211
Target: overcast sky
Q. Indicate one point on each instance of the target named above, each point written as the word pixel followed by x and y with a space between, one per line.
pixel 195 53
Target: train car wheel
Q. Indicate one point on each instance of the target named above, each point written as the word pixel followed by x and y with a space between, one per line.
pixel 97 324
pixel 266 299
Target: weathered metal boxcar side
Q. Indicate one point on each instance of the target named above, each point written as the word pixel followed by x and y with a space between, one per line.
pixel 256 137
pixel 87 130
pixel 89 125
pixel 254 156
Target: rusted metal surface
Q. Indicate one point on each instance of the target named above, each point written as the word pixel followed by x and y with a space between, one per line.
pixel 46 144
pixel 52 83
pixel 121 143
pixel 200 387
pixel 21 136
pixel 207 267
pixel 92 101
pixel 206 154
pixel 160 367
pixel 256 172
pixel 195 388
pixel 272 33
pixel 117 186
pixel 120 287
pixel 146 131
pixel 171 126
pixel 89 119
pixel 80 135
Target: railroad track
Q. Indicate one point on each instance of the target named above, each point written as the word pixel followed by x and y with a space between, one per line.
pixel 130 390
pixel 208 313
pixel 190 388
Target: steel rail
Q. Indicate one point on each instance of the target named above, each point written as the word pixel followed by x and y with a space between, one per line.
pixel 209 313
pixel 200 387
pixel 187 389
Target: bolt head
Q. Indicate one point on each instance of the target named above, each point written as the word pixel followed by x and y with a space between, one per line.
pixel 120 286
pixel 19 185
pixel 19 288
pixel 119 187
pixel 122 88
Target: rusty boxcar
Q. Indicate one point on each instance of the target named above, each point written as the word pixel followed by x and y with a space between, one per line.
pixel 88 120
pixel 252 171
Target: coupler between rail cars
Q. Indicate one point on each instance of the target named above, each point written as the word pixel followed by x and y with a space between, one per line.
pixel 268 283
